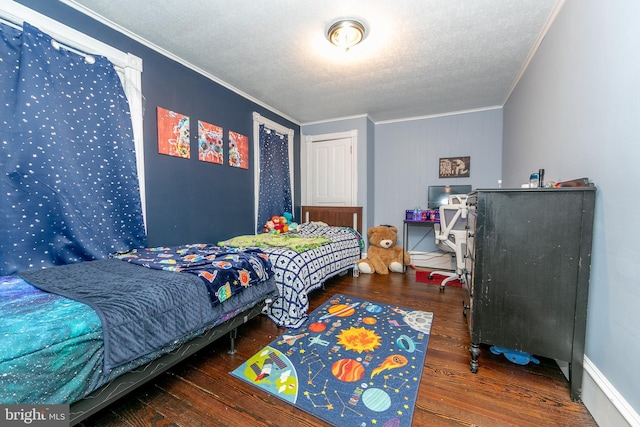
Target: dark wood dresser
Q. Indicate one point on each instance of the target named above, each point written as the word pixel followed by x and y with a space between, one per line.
pixel 528 264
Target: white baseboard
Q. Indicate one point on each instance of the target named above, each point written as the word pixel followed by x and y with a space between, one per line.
pixel 604 402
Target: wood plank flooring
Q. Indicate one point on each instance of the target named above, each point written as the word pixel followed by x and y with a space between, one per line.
pixel 200 391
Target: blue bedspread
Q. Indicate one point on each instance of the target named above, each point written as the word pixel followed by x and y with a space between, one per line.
pixel 51 347
pixel 143 309
pixel 224 271
pixel 140 309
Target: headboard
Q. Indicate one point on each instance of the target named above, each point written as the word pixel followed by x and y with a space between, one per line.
pixel 341 216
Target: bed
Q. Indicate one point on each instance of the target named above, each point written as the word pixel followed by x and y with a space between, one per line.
pixel 306 266
pixel 88 333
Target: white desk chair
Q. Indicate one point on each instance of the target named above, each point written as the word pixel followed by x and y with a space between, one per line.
pixel 458 199
pixel 451 236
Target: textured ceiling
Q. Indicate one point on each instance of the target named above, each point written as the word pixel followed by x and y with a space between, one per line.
pixel 419 58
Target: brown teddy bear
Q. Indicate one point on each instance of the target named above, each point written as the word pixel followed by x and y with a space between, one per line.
pixel 383 254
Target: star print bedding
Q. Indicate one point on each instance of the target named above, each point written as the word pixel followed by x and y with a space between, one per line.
pixel 224 271
pixel 298 273
pixel 56 347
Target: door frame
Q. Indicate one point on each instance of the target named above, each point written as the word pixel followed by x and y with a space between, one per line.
pixel 307 155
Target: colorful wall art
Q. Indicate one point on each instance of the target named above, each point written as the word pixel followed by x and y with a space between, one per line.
pixel 238 150
pixel 210 143
pixel 173 134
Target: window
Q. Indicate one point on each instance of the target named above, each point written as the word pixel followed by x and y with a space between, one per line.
pixel 128 66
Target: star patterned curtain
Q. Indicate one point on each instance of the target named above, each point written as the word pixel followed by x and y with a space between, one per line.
pixel 68 183
pixel 274 197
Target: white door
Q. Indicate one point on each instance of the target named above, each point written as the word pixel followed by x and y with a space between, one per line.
pixel 331 169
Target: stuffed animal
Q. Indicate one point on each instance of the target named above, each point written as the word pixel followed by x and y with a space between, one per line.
pixel 383 254
pixel 280 224
pixel 269 227
pixel 293 226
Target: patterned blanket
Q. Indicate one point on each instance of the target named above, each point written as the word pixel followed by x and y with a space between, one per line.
pixel 224 271
pixel 294 242
pixel 298 273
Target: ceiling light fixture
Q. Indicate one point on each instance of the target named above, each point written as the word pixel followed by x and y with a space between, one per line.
pixel 346 33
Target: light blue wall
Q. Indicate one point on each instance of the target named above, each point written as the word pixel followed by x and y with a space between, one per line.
pixel 407 156
pixel 576 113
pixel 397 161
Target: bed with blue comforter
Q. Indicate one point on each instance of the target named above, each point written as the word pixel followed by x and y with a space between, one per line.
pixel 69 330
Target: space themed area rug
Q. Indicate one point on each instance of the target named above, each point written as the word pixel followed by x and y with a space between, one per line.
pixel 352 363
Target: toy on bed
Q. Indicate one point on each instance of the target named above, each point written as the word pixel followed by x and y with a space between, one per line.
pixel 383 254
pixel 280 224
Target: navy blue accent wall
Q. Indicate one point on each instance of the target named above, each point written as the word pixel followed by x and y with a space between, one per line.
pixel 188 201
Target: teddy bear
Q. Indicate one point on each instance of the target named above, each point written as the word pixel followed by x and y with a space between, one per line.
pixel 383 254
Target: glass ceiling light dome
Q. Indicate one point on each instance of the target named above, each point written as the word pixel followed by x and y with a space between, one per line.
pixel 346 33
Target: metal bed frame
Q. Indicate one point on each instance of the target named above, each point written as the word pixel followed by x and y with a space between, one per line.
pixel 114 390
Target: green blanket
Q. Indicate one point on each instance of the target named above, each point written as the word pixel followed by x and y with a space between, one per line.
pixel 291 241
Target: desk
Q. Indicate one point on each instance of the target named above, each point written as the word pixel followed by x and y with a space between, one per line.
pixel 405 233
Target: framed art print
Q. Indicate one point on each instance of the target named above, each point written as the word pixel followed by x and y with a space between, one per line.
pixel 173 134
pixel 210 143
pixel 454 167
pixel 238 150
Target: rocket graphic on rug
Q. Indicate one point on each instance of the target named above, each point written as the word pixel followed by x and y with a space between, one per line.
pixel 291 339
pixel 265 371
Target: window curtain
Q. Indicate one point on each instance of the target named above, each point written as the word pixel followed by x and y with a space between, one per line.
pixel 69 189
pixel 274 195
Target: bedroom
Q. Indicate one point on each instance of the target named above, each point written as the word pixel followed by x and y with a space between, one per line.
pixel 582 124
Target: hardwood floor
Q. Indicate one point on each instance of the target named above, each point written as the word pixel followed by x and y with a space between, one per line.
pixel 200 391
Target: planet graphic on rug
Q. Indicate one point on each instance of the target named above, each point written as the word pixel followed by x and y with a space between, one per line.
pixel 376 399
pixel 347 370
pixel 369 320
pixel 317 327
pixel 393 422
pixel 419 320
pixel 406 343
pixel 341 310
pixel 372 308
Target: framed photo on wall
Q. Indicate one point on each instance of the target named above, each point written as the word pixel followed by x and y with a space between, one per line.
pixel 454 167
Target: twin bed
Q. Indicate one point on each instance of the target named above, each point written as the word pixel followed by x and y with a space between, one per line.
pixel 88 333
